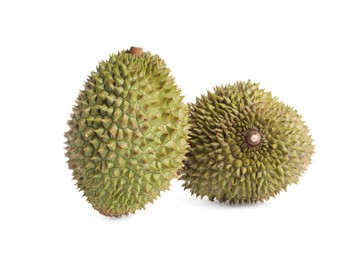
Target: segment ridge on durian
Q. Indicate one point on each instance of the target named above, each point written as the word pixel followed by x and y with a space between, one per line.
pixel 245 145
pixel 128 133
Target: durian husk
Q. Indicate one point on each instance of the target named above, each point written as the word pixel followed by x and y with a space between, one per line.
pixel 128 133
pixel 223 166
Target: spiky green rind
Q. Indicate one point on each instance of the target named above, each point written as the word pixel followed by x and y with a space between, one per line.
pixel 128 133
pixel 222 166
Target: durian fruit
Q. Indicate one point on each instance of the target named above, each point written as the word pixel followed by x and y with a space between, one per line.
pixel 245 145
pixel 128 133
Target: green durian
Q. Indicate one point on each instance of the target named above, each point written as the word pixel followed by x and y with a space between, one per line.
pixel 245 145
pixel 128 133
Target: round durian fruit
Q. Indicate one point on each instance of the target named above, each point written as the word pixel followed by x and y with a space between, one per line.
pixel 128 133
pixel 245 145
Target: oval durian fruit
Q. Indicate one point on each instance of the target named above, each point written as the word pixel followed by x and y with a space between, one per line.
pixel 128 133
pixel 245 145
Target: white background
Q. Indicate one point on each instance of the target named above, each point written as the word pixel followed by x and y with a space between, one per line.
pixel 309 53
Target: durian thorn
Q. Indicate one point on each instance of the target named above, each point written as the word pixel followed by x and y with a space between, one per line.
pixel 136 51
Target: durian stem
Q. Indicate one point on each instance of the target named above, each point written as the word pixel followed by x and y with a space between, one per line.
pixel 253 138
pixel 136 51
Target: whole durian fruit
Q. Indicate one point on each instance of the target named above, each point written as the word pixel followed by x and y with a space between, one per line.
pixel 246 146
pixel 128 133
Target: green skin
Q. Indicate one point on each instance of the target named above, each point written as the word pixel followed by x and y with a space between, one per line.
pixel 128 133
pixel 245 145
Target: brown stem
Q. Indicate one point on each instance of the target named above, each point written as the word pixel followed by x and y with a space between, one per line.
pixel 253 138
pixel 136 51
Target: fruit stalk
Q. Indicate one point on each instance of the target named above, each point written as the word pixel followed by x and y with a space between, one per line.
pixel 136 51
